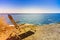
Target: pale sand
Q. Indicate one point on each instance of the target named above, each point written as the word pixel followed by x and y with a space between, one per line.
pixel 45 32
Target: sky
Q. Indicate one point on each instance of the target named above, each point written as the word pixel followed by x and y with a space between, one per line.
pixel 29 6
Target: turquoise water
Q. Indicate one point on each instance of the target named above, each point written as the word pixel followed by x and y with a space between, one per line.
pixel 34 18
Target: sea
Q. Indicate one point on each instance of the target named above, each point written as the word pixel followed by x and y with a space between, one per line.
pixel 33 18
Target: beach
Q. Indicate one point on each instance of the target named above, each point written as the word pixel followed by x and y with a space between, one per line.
pixel 46 32
pixel 43 32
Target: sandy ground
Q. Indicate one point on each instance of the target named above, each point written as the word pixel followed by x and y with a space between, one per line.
pixel 45 32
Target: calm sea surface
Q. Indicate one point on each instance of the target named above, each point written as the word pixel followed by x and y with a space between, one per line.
pixel 34 18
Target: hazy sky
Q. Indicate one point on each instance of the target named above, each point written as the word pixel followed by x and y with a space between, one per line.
pixel 30 6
